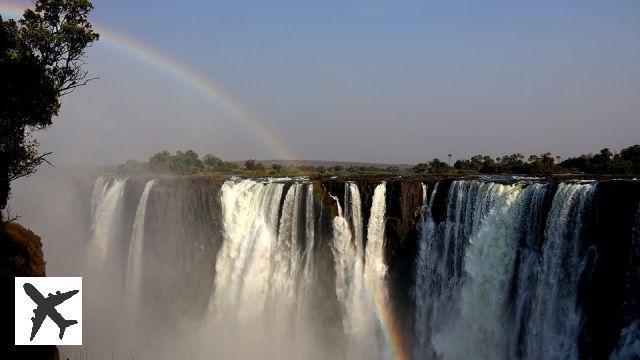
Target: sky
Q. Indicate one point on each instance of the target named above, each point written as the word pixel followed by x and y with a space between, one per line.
pixel 388 81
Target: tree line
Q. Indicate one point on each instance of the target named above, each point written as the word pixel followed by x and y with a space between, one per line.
pixel 189 162
pixel 626 162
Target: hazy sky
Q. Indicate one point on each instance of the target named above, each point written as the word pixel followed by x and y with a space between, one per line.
pixel 379 81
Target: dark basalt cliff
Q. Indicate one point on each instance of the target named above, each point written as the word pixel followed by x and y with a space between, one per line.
pixel 20 255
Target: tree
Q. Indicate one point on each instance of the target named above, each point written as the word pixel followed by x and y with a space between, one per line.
pixel 421 167
pixel 250 165
pixel 276 168
pixel 186 163
pixel 438 167
pixel 160 162
pixel 41 59
pixel 632 153
pixel 212 163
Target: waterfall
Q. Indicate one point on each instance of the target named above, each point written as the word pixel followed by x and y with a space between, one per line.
pixel 360 272
pixel 136 245
pixel 243 268
pixel 106 219
pixel 423 323
pixel 375 269
pixel 288 248
pixel 527 271
pixel 349 269
pixel 440 261
pixel 480 316
pixel 309 217
pixel 503 268
pixel 555 316
pixel 99 188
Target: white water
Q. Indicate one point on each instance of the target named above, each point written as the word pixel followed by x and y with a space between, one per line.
pixel 441 256
pixel 243 266
pixel 136 245
pixel 423 322
pixel 465 269
pixel 99 188
pixel 495 278
pixel 107 218
pixel 555 318
pixel 361 272
pixel 488 271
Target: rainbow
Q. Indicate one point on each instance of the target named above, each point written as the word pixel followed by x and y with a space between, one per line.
pixel 390 326
pixel 210 91
pixel 181 73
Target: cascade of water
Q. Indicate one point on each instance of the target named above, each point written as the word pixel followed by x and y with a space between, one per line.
pixel 421 291
pixel 134 263
pixel 287 251
pixel 353 207
pixel 99 188
pixel 309 236
pixel 555 317
pixel 480 315
pixel 527 271
pixel 305 319
pixel 442 247
pixel 244 263
pixel 375 269
pixel 107 219
pixel 501 269
pixel 360 272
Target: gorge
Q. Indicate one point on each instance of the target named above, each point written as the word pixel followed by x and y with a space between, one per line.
pixel 371 267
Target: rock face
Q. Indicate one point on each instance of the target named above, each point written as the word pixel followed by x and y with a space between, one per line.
pixel 495 246
pixel 20 255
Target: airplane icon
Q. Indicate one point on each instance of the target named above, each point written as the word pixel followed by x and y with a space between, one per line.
pixel 47 307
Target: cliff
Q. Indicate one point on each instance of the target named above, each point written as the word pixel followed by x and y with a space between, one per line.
pixel 20 255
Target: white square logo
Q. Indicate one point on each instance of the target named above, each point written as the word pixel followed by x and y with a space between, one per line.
pixel 48 310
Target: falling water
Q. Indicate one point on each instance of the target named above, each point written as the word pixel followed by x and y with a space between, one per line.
pixel 555 316
pixel 99 188
pixel 375 269
pixel 423 322
pixel 480 316
pixel 106 220
pixel 300 268
pixel 244 264
pixel 136 245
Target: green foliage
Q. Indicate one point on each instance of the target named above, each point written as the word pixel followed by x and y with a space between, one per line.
pixel 250 165
pixel 41 59
pixel 182 162
pixel 132 167
pixel 213 163
pixel 161 162
pixel 421 167
pixel 276 168
pixel 439 167
pixel 606 162
pixel 435 166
